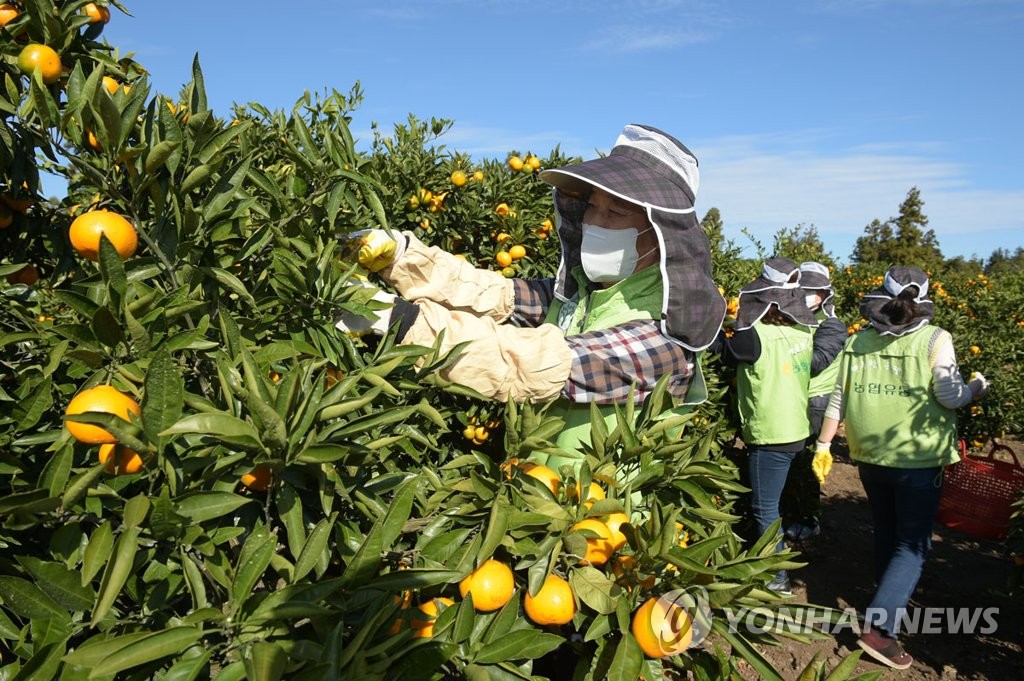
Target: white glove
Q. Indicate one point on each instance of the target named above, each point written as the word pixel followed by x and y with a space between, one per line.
pixel 979 385
pixel 379 302
pixel 377 249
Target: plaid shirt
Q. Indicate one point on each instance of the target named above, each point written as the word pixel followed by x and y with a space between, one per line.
pixel 607 363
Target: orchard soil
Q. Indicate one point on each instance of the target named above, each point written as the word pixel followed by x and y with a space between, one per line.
pixel 960 572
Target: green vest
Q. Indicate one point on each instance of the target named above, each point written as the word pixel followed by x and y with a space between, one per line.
pixel 772 392
pixel 892 417
pixel 638 296
pixel 824 382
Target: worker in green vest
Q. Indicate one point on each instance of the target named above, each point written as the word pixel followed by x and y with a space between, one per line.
pixel 633 299
pixel 897 392
pixel 803 491
pixel 772 347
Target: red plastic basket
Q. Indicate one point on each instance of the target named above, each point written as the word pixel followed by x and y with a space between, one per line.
pixel 977 493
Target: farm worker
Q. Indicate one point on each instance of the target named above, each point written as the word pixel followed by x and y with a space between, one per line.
pixel 633 298
pixel 772 348
pixel 898 389
pixel 829 339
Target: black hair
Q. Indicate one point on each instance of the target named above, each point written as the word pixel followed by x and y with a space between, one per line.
pixel 903 308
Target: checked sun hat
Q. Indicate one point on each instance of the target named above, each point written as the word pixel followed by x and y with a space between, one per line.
pixel 815 277
pixel 779 285
pixel 896 280
pixel 655 171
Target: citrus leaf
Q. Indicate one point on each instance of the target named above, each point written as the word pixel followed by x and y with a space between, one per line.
pixel 163 399
pixel 202 506
pixel 146 649
pixel 253 561
pixel 313 548
pixel 27 600
pixel 266 662
pixel 521 644
pixel 116 573
pixel 221 426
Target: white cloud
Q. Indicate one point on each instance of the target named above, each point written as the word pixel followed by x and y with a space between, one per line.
pixel 842 192
pixel 623 39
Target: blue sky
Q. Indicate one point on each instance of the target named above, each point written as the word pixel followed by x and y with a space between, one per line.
pixel 812 112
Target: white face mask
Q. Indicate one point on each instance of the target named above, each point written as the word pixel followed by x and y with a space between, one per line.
pixel 812 301
pixel 610 254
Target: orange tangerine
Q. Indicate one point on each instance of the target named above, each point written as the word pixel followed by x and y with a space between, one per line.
pixel 553 604
pixel 599 548
pixel 491 584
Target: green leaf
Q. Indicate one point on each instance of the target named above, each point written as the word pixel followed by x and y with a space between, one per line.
pixel 253 561
pixel 266 662
pixel 27 600
pixel 164 397
pixel 106 328
pixel 95 649
pixel 224 427
pixel 135 510
pixel 116 573
pixel 231 282
pixel 112 270
pixel 594 588
pixel 97 552
pixel 62 584
pixel 159 154
pixel 202 506
pixel 146 649
pixel 313 548
pixel 628 660
pixel 521 644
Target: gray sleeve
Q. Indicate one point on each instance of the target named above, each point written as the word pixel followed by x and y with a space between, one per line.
pixel 829 339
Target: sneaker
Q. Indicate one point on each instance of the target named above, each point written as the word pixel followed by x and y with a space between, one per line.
pixel 886 650
pixel 780 585
pixel 801 532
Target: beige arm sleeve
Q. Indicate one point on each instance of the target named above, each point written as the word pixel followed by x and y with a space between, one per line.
pixel 501 361
pixel 430 273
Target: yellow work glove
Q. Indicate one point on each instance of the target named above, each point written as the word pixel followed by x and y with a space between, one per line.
pixel 821 464
pixel 377 248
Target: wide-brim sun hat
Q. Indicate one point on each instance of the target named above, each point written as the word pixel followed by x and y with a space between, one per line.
pixel 646 166
pixel 658 173
pixel 897 280
pixel 778 285
pixel 815 277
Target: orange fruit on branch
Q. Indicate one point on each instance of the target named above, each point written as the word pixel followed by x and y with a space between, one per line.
pixel 102 398
pixel 491 584
pixel 614 521
pixel 503 258
pixel 86 230
pixel 553 604
pixel 120 460
pixel 599 548
pixel 258 479
pixel 662 628
pixel 8 13
pixel 517 252
pixel 424 625
pixel 43 57
pixel 459 178
pixel 544 474
pixel 98 14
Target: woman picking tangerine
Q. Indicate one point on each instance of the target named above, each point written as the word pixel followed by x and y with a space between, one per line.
pixel 633 298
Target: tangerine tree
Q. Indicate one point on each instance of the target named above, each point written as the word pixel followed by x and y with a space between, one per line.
pixel 256 495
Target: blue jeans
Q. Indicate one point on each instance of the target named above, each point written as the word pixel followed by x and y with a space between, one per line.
pixel 903 503
pixel 768 471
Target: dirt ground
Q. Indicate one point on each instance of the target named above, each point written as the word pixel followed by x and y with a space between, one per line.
pixel 960 572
